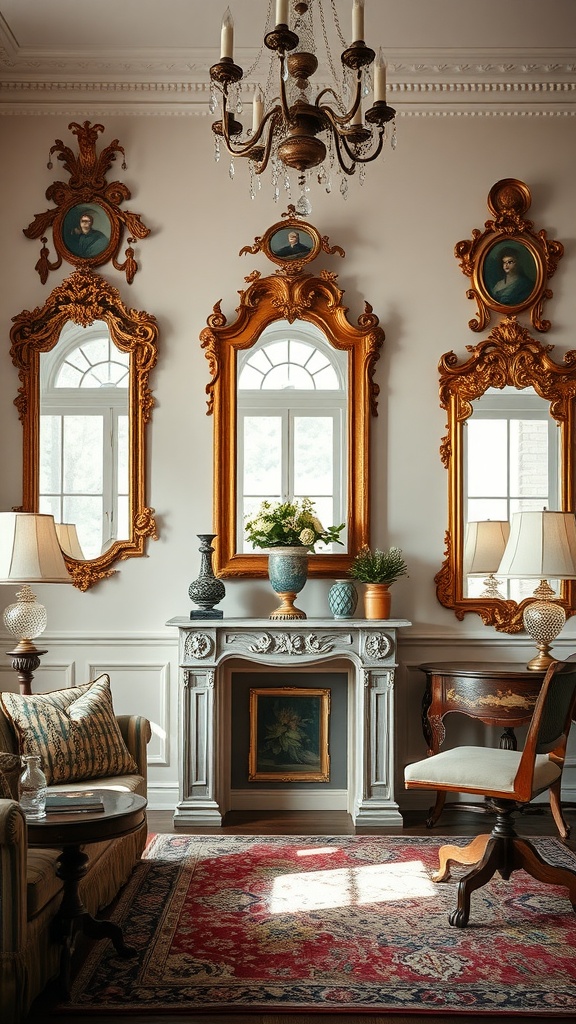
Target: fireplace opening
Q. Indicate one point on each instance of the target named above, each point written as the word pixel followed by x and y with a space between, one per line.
pixel 247 720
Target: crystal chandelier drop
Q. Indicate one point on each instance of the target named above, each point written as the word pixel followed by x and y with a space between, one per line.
pixel 295 126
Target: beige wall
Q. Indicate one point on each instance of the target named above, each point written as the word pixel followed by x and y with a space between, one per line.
pixel 399 232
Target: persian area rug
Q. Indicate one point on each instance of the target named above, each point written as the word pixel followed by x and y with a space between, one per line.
pixel 349 924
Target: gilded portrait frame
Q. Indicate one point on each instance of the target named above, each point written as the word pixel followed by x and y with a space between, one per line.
pixel 305 714
pixel 87 193
pixel 509 264
pixel 274 242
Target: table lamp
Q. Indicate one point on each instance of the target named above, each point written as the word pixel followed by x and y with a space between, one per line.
pixel 541 546
pixel 68 540
pixel 29 553
pixel 483 549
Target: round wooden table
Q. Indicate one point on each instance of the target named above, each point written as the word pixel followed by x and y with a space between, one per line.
pixel 123 813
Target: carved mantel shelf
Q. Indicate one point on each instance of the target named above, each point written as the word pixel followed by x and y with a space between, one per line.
pixel 204 648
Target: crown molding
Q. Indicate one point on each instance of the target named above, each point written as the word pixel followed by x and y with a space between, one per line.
pixel 173 81
pixel 185 98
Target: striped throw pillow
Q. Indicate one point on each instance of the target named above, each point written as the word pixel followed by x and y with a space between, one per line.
pixel 74 730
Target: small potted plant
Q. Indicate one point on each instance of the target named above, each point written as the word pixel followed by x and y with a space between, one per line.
pixel 378 570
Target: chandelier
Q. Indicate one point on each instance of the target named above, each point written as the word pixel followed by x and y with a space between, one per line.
pixel 292 129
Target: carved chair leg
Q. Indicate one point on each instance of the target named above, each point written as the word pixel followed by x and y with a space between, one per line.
pixel 435 812
pixel 475 879
pixel 470 854
pixel 525 856
pixel 557 813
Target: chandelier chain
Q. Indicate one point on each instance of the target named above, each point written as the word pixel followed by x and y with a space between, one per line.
pixel 252 69
pixel 326 43
pixel 343 43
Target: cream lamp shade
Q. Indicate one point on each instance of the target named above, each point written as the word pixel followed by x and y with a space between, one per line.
pixel 29 553
pixel 541 546
pixel 68 540
pixel 483 549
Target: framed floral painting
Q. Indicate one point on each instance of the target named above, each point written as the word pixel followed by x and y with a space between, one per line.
pixel 289 735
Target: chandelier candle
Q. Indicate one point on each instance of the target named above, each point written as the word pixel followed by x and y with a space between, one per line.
pixel 281 12
pixel 257 108
pixel 227 36
pixel 358 20
pixel 380 78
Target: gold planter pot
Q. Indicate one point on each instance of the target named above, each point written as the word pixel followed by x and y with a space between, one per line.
pixel 377 600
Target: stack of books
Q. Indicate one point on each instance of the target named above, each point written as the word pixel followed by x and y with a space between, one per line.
pixel 61 803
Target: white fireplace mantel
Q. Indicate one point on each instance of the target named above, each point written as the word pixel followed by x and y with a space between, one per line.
pixel 205 646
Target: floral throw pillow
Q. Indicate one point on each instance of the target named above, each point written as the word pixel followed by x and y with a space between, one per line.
pixel 74 731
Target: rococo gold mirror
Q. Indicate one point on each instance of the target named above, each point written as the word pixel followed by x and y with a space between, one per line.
pixel 84 361
pixel 292 392
pixel 509 448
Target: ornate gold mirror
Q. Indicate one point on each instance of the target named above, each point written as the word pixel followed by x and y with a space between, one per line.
pixel 83 361
pixel 292 393
pixel 509 448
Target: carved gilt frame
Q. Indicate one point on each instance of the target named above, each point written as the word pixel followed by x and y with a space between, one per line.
pixel 290 294
pixel 87 192
pixel 535 254
pixel 83 298
pixel 508 356
pixel 292 264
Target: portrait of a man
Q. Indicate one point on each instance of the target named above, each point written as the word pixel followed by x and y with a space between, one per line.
pixel 298 243
pixel 81 236
pixel 510 273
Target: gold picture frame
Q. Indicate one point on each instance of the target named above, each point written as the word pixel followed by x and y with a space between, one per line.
pixel 87 222
pixel 289 734
pixel 508 263
pixel 292 243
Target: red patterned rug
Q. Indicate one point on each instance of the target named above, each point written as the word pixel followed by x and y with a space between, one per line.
pixel 348 923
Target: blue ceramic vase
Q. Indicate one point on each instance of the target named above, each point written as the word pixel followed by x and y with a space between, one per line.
pixel 288 572
pixel 342 599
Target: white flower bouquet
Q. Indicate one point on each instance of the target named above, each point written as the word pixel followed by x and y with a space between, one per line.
pixel 289 524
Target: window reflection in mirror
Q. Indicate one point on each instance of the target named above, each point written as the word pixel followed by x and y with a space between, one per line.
pixel 84 457
pixel 511 464
pixel 292 416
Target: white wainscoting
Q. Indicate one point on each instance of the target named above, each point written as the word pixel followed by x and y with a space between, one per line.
pixel 143 669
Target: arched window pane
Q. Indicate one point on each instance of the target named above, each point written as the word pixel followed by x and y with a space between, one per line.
pixel 287 376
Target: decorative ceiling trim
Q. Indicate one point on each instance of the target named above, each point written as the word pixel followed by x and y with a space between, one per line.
pixel 195 62
pixel 534 98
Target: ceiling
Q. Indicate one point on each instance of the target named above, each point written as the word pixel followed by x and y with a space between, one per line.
pixel 94 50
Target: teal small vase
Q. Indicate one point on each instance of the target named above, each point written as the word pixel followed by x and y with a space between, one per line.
pixel 288 572
pixel 342 599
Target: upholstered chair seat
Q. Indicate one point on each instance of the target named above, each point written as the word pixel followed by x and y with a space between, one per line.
pixel 508 779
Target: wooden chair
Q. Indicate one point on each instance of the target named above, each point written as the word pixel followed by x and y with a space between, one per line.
pixel 509 779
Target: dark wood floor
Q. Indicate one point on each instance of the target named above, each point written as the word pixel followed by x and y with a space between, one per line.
pixel 452 823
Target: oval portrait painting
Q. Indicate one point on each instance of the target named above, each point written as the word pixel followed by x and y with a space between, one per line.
pixel 86 230
pixel 291 243
pixel 510 273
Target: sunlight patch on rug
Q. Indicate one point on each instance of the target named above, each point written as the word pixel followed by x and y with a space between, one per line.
pixel 345 887
pixel 354 924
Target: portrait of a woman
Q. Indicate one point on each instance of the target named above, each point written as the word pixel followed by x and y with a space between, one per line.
pixel 510 274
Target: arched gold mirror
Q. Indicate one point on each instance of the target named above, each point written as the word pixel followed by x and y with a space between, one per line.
pixel 84 360
pixel 292 393
pixel 509 448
